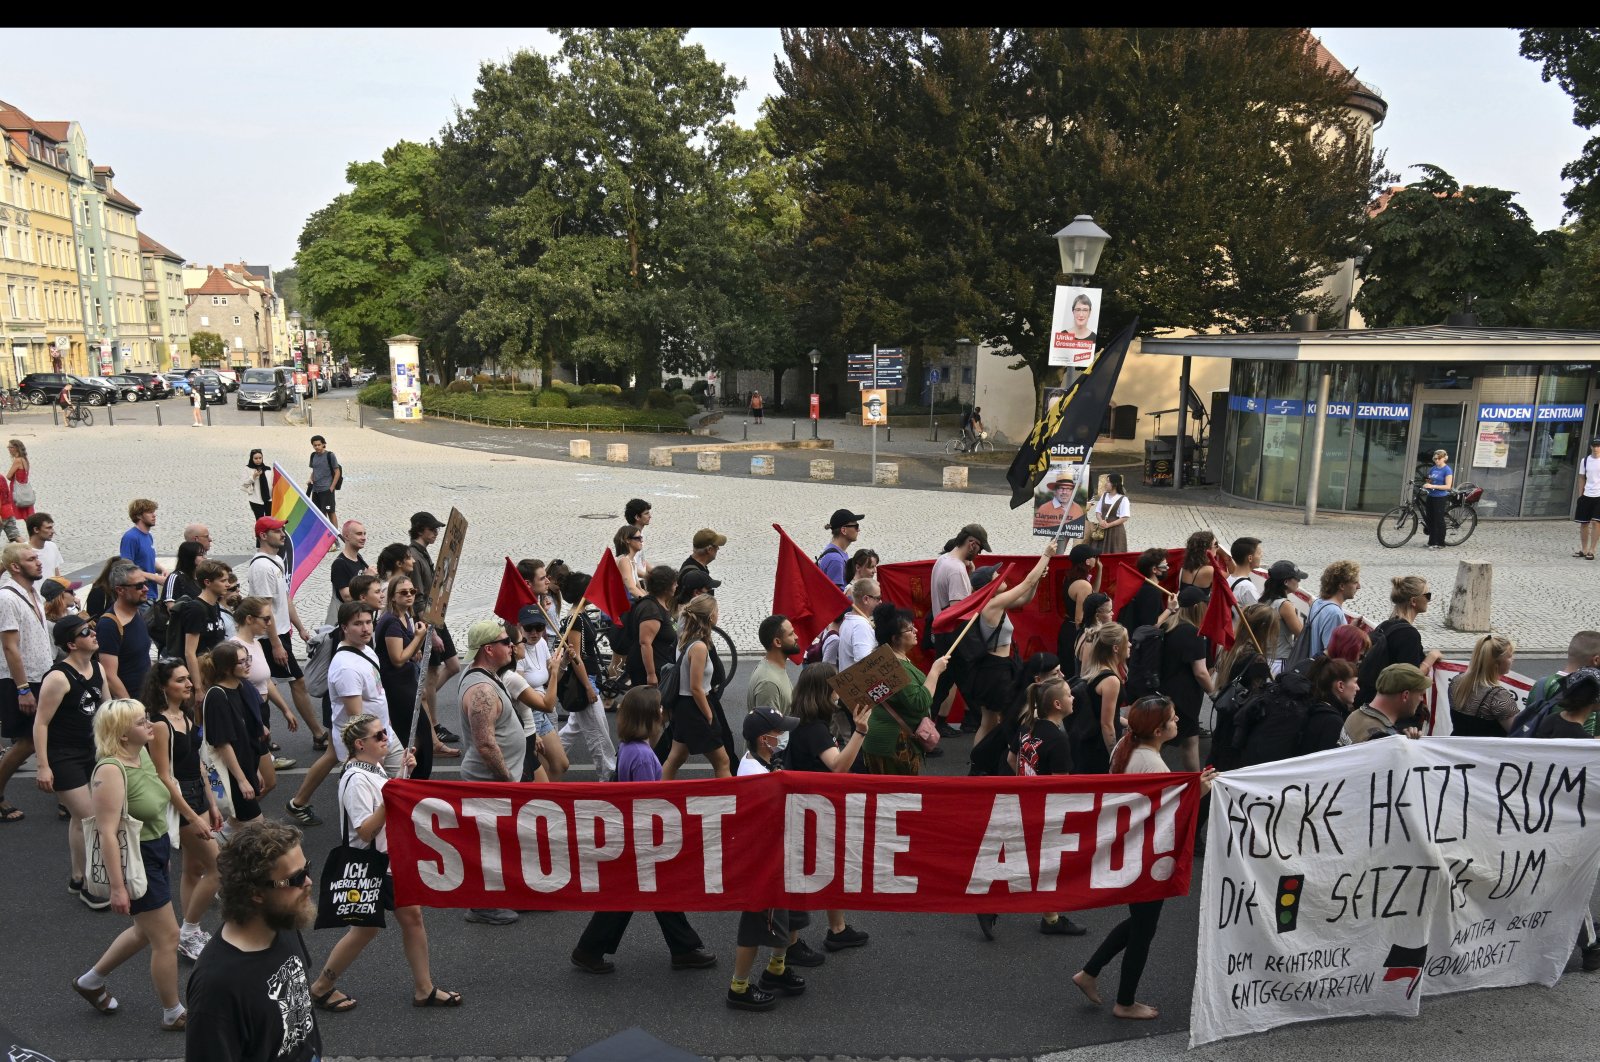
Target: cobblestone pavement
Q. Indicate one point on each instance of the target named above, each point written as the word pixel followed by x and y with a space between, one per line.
pixel 524 506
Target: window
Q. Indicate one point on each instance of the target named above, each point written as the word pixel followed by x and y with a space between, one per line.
pixel 205 322
pixel 11 296
pixel 238 342
pixel 94 264
pixel 5 242
pixel 236 320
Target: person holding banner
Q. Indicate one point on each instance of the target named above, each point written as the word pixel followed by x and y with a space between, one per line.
pixel 1150 602
pixel 1152 722
pixel 697 720
pixel 995 674
pixel 889 747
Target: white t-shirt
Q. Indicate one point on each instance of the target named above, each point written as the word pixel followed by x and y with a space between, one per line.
pixel 260 674
pixel 532 672
pixel 264 578
pixel 1244 590
pixel 856 640
pixel 515 686
pixel 1146 761
pixel 360 796
pixel 949 582
pixel 350 677
pixel 1117 507
pixel 1589 468
pixel 50 560
pixel 749 765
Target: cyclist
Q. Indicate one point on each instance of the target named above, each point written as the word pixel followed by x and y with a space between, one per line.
pixel 972 427
pixel 64 400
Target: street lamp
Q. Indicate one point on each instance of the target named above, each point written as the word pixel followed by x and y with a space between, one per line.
pixel 1080 244
pixel 816 359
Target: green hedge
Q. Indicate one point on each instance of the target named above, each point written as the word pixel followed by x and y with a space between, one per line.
pixel 502 406
pixel 551 400
pixel 376 393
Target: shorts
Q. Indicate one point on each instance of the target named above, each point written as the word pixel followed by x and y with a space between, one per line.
pixel 244 810
pixel 770 928
pixel 324 500
pixel 1588 509
pixel 543 724
pixel 71 768
pixel 992 683
pixel 1188 720
pixel 438 657
pixel 289 670
pixel 157 856
pixel 690 726
pixel 194 794
pixel 15 724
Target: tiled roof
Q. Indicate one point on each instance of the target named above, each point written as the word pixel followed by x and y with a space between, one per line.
pixel 150 246
pixel 13 118
pixel 56 131
pixel 217 283
pixel 114 196
pixel 106 170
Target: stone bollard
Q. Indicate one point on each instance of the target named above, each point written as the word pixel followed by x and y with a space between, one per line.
pixel 886 474
pixel 955 477
pixel 660 457
pixel 617 452
pixel 578 448
pixel 763 465
pixel 821 469
pixel 1469 604
pixel 708 461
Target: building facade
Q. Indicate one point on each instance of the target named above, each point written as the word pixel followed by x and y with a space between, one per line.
pixel 132 348
pixel 240 313
pixel 166 306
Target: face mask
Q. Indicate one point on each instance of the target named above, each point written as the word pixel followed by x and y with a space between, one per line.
pixel 783 742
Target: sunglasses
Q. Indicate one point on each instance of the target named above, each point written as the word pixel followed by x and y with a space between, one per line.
pixel 379 734
pixel 501 641
pixel 635 538
pixel 856 526
pixel 405 593
pixel 298 880
pixel 1428 596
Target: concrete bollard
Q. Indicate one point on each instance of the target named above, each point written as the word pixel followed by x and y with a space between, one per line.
pixel 578 448
pixel 1474 591
pixel 886 474
pixel 617 452
pixel 708 461
pixel 955 477
pixel 821 469
pixel 660 457
pixel 763 465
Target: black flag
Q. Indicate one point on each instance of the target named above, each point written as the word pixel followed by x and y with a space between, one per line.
pixel 1068 429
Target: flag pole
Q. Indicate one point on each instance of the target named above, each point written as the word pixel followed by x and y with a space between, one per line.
pixel 951 651
pixel 1240 613
pixel 572 616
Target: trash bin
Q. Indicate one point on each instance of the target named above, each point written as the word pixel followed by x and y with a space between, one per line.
pixel 1158 460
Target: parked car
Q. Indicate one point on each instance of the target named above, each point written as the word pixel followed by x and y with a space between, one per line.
pixel 363 377
pixel 264 389
pixel 210 384
pixel 41 388
pixel 178 382
pixel 230 378
pixel 341 377
pixel 110 385
pixel 322 384
pixel 133 388
pixel 155 385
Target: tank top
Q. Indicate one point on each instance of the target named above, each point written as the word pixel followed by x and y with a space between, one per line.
pixel 992 641
pixel 72 727
pixel 185 751
pixel 507 732
pixel 147 795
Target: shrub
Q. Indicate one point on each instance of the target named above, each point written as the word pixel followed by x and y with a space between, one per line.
pixel 457 387
pixel 377 392
pixel 551 400
pixel 699 387
pixel 673 383
pixel 656 398
pixel 612 390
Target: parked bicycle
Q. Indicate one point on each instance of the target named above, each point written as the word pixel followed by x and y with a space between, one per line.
pixel 1399 524
pixel 613 677
pixel 11 401
pixel 80 415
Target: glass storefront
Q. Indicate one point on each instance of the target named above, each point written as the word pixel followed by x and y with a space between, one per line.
pixel 1515 430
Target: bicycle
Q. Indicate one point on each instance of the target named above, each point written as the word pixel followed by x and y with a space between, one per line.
pixel 11 401
pixel 1399 524
pixel 79 415
pixel 965 443
pixel 612 678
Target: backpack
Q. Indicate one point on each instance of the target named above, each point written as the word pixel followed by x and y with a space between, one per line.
pixel 319 654
pixel 171 641
pixel 624 635
pixel 818 646
pixel 1268 726
pixel 971 650
pixel 1228 702
pixel 1300 651
pixel 1144 661
pixel 1377 658
pixel 1542 700
pixel 161 613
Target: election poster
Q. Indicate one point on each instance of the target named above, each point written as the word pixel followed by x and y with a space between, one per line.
pixel 1061 499
pixel 1074 327
pixel 1493 447
pixel 1359 881
pixel 874 406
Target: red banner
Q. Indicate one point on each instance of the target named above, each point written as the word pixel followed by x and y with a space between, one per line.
pixel 799 840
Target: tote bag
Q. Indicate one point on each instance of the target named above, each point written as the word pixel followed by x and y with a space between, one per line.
pixel 350 891
pixel 96 878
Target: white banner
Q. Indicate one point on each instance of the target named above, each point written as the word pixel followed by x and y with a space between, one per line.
pixel 1359 880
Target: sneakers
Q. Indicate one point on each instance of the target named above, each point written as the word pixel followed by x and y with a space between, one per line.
pixel 191 944
pixel 752 998
pixel 595 964
pixel 946 730
pixel 303 814
pixel 446 736
pixel 1061 927
pixel 282 763
pixel 788 982
pixel 1591 958
pixel 76 887
pixel 802 954
pixel 492 916
pixel 845 938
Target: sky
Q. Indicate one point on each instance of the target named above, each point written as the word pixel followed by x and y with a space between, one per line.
pixel 229 158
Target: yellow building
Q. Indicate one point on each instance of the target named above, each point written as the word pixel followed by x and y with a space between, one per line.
pixel 45 330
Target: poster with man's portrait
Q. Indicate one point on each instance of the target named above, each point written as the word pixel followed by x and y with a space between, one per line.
pixel 1074 326
pixel 1059 500
pixel 874 406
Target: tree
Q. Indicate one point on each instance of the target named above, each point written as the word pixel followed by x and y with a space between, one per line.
pixel 1439 248
pixel 206 346
pixel 936 165
pixel 1571 58
pixel 287 281
pixel 1568 292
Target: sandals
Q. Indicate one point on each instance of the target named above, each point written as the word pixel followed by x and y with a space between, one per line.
pixel 328 1003
pixel 438 997
pixel 100 998
pixel 445 750
pixel 320 744
pixel 9 813
pixel 177 1025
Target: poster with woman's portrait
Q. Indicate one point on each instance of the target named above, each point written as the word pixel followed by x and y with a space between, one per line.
pixel 1074 326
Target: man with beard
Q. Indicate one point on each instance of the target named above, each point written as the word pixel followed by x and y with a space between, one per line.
pixel 769 686
pixel 250 993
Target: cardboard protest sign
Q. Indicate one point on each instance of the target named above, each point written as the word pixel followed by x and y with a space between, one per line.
pixel 871 680
pixel 446 566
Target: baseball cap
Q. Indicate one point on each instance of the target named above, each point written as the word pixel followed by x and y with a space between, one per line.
pixel 55 586
pixel 763 720
pixel 267 523
pixel 842 517
pixel 974 531
pixel 422 520
pixel 695 579
pixel 981 576
pixel 1285 570
pixel 1398 678
pixel 532 616
pixel 483 632
pixel 1192 595
pixel 705 538
pixel 68 627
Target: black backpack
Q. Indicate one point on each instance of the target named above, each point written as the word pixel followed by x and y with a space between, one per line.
pixel 1300 652
pixel 161 612
pixel 1374 661
pixel 1144 662
pixel 1089 754
pixel 1543 699
pixel 1268 726
pixel 172 627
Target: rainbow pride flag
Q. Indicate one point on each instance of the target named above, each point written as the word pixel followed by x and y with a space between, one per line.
pixel 311 536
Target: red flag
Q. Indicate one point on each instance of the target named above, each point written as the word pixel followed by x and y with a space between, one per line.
pixel 1128 581
pixel 801 592
pixel 961 611
pixel 606 591
pixel 1217 624
pixel 514 594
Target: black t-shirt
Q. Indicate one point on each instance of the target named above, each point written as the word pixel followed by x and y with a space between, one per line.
pixel 392 626
pixel 1404 643
pixel 229 721
pixel 345 569
pixel 199 616
pixel 1044 751
pixel 1553 726
pixel 1145 608
pixel 252 1006
pixel 689 563
pixel 130 644
pixel 806 746
pixel 185 748
pixel 1180 648
pixel 665 645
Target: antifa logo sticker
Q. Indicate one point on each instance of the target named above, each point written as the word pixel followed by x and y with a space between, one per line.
pixel 1405 962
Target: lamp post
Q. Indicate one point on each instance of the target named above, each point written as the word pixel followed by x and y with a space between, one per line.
pixel 816 410
pixel 1080 244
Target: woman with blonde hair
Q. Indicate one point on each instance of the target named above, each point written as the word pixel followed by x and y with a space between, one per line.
pixel 1094 733
pixel 1398 635
pixel 125 777
pixel 1481 704
pixel 1185 672
pixel 697 726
